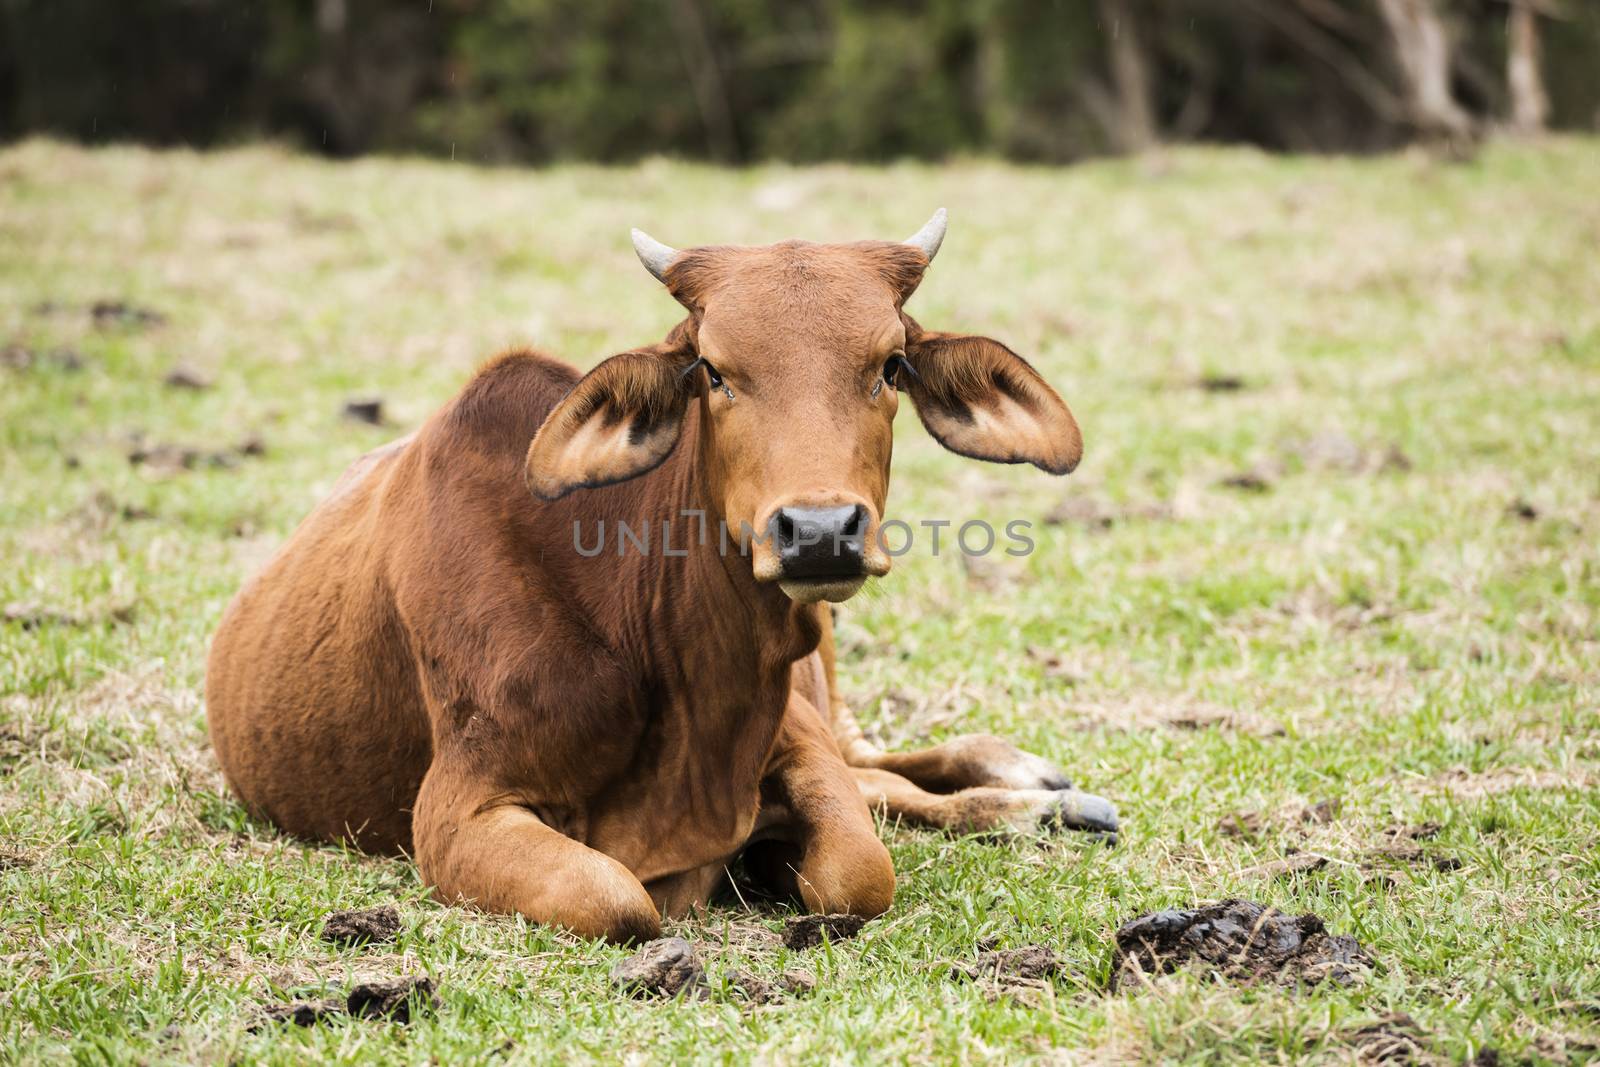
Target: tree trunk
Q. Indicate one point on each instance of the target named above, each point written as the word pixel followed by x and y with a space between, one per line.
pixel 1135 129
pixel 1530 106
pixel 1423 50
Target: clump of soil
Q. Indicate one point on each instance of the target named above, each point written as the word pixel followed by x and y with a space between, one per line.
pixel 362 927
pixel 808 931
pixel 1100 515
pixel 1236 939
pixel 395 1001
pixel 757 990
pixel 1030 963
pixel 1250 823
pixel 106 313
pixel 1220 383
pixel 1254 480
pixel 367 409
pixel 187 376
pixel 398 1001
pixel 1294 863
pixel 301 1013
pixel 1400 844
pixel 165 457
pixel 1394 1038
pixel 21 357
pixel 666 967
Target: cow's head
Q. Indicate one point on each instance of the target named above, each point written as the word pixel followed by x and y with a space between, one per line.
pixel 796 354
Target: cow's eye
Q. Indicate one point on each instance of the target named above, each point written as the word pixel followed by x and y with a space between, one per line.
pixel 892 365
pixel 711 372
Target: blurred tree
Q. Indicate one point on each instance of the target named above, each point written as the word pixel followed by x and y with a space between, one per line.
pixel 736 80
pixel 1530 106
pixel 1423 48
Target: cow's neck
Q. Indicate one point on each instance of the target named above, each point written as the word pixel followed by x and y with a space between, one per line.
pixel 716 650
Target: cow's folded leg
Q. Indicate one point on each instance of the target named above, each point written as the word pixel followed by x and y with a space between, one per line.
pixel 827 852
pixel 497 854
pixel 984 808
pixel 969 761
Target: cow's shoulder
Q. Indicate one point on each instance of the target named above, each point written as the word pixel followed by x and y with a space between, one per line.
pixel 501 408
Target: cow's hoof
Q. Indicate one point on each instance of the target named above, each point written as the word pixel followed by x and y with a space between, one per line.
pixel 1085 811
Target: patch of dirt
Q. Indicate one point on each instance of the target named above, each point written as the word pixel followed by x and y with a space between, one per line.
pixel 1522 509
pixel 1334 451
pixel 1181 714
pixel 108 313
pixel 11 860
pixel 300 1013
pixel 1220 383
pixel 166 458
pixel 1095 514
pixel 756 990
pixel 367 409
pixel 1393 1038
pixel 798 983
pixel 666 967
pixel 1257 479
pixel 35 617
pixel 1250 823
pixel 1294 863
pixel 21 357
pixel 187 376
pixel 1056 666
pixel 1029 963
pixel 1498 780
pixel 1238 940
pixel 398 1001
pixel 808 931
pixel 988 574
pixel 362 927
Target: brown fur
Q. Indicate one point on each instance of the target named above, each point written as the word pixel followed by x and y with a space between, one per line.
pixel 430 666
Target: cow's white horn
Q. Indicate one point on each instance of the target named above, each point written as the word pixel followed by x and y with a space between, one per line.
pixel 928 239
pixel 655 256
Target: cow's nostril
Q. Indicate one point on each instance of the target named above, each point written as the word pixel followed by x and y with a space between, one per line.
pixel 815 542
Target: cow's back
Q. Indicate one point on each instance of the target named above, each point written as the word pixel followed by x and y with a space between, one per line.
pixel 313 696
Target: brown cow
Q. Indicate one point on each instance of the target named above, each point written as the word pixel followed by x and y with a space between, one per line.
pixel 434 665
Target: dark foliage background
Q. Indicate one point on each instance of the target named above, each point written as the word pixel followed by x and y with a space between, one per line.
pixel 736 80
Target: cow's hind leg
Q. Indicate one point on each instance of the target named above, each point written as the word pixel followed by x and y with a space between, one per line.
pixel 497 854
pixel 985 809
pixel 972 771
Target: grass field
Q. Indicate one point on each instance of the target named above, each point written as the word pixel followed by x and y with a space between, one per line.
pixel 1333 540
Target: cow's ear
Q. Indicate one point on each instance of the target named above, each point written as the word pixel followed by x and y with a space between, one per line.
pixel 621 420
pixel 982 400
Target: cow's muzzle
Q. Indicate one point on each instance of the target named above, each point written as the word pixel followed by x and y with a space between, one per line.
pixel 821 552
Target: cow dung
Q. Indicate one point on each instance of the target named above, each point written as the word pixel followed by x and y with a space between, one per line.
pixel 808 931
pixel 394 1000
pixel 361 927
pixel 1236 939
pixel 300 1013
pixel 1028 963
pixel 665 967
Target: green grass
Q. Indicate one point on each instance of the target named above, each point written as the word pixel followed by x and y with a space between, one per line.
pixel 1399 639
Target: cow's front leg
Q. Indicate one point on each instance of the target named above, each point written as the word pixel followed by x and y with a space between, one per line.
pixel 821 845
pixel 475 845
